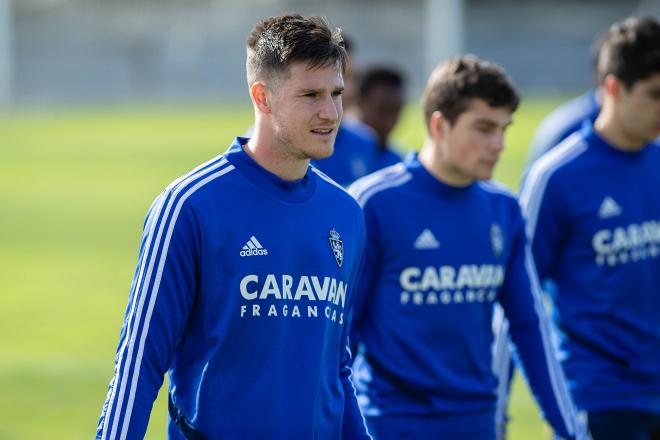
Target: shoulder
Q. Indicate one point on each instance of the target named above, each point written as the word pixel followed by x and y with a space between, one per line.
pixel 335 190
pixel 564 121
pixel 501 198
pixel 197 183
pixel 560 160
pixel 497 190
pixel 569 117
pixel 381 181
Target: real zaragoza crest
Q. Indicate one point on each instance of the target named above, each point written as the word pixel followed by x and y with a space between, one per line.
pixel 496 239
pixel 337 246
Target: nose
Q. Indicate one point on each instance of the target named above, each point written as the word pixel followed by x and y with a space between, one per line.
pixel 497 142
pixel 330 109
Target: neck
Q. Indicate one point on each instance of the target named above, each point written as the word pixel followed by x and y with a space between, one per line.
pixel 431 158
pixel 610 128
pixel 264 148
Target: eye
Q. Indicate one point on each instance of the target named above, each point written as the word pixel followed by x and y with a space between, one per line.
pixel 310 95
pixel 337 93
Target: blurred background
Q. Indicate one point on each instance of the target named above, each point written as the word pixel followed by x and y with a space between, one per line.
pixel 104 102
pixel 121 51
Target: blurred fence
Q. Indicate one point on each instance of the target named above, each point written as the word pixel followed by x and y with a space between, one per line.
pixel 101 51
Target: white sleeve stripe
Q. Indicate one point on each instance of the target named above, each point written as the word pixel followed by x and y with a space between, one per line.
pixel 501 363
pixel 539 175
pixel 120 359
pixel 381 175
pixel 496 187
pixel 364 196
pixel 557 379
pixel 210 164
pixel 364 420
pixel 141 288
pixel 172 192
pixel 328 179
pixel 135 316
pixel 156 210
pixel 152 302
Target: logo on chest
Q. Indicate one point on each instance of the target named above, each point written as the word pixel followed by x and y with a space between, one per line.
pixel 496 239
pixel 426 240
pixel 337 246
pixel 253 248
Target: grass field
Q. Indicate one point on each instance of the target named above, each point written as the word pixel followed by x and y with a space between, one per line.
pixel 74 188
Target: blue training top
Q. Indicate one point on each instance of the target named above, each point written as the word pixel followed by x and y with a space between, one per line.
pixel 438 258
pixel 594 223
pixel 243 294
pixel 563 122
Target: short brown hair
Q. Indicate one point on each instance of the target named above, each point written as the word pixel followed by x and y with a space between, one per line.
pixel 454 83
pixel 276 42
pixel 631 50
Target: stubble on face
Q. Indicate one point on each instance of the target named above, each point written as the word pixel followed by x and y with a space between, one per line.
pixel 306 111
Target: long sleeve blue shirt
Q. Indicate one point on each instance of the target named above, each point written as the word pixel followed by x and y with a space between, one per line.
pixel 438 259
pixel 243 294
pixel 594 223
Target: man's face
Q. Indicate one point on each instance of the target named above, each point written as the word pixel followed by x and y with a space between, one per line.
pixel 380 108
pixel 639 109
pixel 306 109
pixel 471 147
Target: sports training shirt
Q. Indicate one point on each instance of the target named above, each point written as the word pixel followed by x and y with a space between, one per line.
pixel 594 221
pixel 438 258
pixel 242 293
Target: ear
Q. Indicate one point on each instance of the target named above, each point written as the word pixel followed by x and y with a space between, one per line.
pixel 438 125
pixel 260 98
pixel 612 85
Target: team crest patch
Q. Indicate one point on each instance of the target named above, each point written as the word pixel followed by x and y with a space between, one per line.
pixel 496 239
pixel 337 246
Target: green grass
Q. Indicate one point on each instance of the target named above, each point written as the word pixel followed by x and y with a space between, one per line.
pixel 74 188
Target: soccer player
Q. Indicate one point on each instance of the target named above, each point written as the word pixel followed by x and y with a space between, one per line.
pixel 444 245
pixel 593 209
pixel 244 283
pixel 380 99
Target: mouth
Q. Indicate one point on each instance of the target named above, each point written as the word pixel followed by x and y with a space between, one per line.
pixel 323 131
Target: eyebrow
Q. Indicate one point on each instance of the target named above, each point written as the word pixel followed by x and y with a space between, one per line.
pixel 490 122
pixel 319 90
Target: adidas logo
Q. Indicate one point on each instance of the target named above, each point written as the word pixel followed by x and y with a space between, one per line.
pixel 609 208
pixel 426 240
pixel 253 247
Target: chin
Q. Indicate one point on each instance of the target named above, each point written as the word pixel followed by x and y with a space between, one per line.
pixel 483 176
pixel 320 152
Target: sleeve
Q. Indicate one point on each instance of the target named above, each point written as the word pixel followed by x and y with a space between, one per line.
pixel 543 211
pixel 531 334
pixel 161 296
pixel 354 425
pixel 503 368
pixel 366 279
